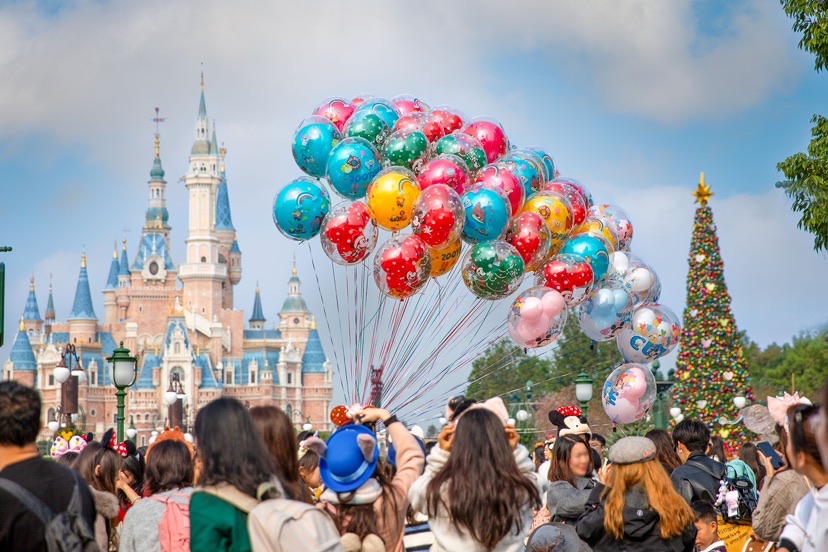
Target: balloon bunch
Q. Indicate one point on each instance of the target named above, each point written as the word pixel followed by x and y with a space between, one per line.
pixel 629 393
pixel 436 179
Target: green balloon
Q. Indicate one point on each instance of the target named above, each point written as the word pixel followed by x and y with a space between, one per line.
pixel 369 126
pixel 406 151
pixel 483 255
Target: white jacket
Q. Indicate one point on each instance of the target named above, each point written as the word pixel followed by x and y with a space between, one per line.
pixel 450 538
pixel 807 528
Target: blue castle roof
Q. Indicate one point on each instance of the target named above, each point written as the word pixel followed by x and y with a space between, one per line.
pixel 50 305
pixel 157 172
pixel 258 313
pixel 21 354
pixel 82 307
pixel 32 311
pixel 224 220
pixel 153 244
pixel 177 322
pixel 261 335
pixel 145 377
pixel 123 269
pixel 208 379
pixel 114 269
pixel 313 361
pixel 235 247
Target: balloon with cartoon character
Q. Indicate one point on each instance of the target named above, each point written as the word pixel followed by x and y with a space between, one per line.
pixel 438 216
pixel 556 211
pixel 446 169
pixel 617 219
pixel 526 167
pixel 313 141
pixel 537 317
pixel 406 148
pixel 351 166
pixel 336 110
pixel 571 275
pixel 570 421
pixel 634 274
pixel 654 331
pixel 300 207
pixel 349 233
pixel 487 214
pixel 391 197
pixel 402 266
pixel 465 147
pixel 606 311
pixel 628 393
pixel 491 136
pixel 492 270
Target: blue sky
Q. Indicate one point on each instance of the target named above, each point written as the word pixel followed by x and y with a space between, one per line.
pixel 634 98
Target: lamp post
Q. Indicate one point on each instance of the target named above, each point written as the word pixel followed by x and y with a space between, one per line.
pixel 583 391
pixel 175 397
pixel 131 432
pixel 124 373
pixel 307 426
pixel 662 387
pixel 69 380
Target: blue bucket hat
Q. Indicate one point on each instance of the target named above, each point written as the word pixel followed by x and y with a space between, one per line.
pixel 350 460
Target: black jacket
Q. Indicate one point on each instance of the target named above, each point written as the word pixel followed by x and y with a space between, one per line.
pixel 642 531
pixel 698 478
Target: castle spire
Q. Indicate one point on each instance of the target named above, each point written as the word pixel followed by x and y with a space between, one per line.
pixel 258 312
pixel 114 268
pixel 82 306
pixel 22 355
pixel 50 304
pixel 32 311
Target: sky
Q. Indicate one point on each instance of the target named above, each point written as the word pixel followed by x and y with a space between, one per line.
pixel 633 98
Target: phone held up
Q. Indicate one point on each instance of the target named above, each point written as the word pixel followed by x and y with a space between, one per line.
pixel 768 450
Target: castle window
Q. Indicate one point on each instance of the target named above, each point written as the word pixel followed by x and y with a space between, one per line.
pixel 228 376
pixel 178 348
pixel 140 309
pixel 204 259
pixel 93 378
pixel 51 380
pixel 74 339
pixel 143 440
pixel 93 413
pixel 90 340
pixel 252 377
pixel 290 378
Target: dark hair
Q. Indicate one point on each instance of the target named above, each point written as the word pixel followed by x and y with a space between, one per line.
pixel 801 433
pixel 169 467
pixel 693 434
pixel 133 465
pixel 19 414
pixel 309 461
pixel 361 518
pixel 428 446
pixel 279 437
pixel 481 453
pixel 69 459
pixel 537 456
pixel 94 455
pixel 230 448
pixel 599 438
pixel 665 449
pixel 562 454
pixel 749 455
pixel 705 511
pixel 458 404
pixel 716 448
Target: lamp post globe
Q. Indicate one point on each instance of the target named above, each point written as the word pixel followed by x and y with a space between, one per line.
pixel 522 415
pixel 124 374
pixel 583 390
pixel 53 426
pixel 61 374
pixel 307 426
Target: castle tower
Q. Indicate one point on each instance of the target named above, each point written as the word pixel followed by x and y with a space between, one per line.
pixel 202 274
pixel 229 252
pixel 31 315
pixel 157 218
pixel 257 319
pixel 122 293
pixel 295 317
pixel 50 311
pixel 21 366
pixel 83 324
pixel 110 304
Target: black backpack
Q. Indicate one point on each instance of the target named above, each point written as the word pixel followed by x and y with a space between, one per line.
pixel 66 531
pixel 747 496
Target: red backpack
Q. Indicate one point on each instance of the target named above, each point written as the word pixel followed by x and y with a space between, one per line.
pixel 174 529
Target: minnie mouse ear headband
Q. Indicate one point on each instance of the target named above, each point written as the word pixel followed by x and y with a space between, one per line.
pixel 60 446
pixel 778 406
pixel 109 441
pixel 569 420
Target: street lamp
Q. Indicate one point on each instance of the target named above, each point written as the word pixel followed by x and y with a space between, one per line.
pixel 69 380
pixel 583 391
pixel 307 426
pixel 124 374
pixel 131 431
pixel 174 397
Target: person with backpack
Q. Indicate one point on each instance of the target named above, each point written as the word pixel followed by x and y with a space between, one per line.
pixel 279 437
pixel 479 487
pixel 368 508
pixel 160 522
pixel 42 504
pixel 699 477
pixel 636 507
pixel 100 466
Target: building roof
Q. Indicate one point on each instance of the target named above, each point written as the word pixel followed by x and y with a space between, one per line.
pixel 21 354
pixel 235 247
pixel 258 313
pixel 145 377
pixel 114 269
pixel 176 322
pixel 153 244
pixel 50 306
pixel 157 172
pixel 208 379
pixel 32 311
pixel 294 304
pixel 267 361
pixel 124 267
pixel 224 221
pixel 214 142
pixel 313 361
pixel 82 306
pixel 262 335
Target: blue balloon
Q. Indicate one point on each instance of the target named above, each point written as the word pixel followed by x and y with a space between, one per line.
pixel 591 249
pixel 312 144
pixel 300 207
pixel 352 165
pixel 383 108
pixel 548 162
pixel 527 168
pixel 487 215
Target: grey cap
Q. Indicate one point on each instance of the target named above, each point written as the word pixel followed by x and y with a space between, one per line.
pixel 555 537
pixel 632 450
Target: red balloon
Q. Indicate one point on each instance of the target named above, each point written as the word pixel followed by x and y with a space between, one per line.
pixel 438 216
pixel 410 121
pixel 347 232
pixel 575 196
pixel 357 101
pixel 406 104
pixel 339 415
pixel 568 274
pixel 446 169
pixel 529 234
pixel 401 263
pixel 336 110
pixel 448 118
pixel 503 180
pixel 491 136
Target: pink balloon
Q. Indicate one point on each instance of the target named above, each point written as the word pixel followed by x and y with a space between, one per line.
pixel 635 384
pixel 623 411
pixel 539 328
pixel 525 334
pixel 532 309
pixel 553 303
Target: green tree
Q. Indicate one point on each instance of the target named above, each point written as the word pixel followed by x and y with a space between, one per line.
pixel 804 364
pixel 806 174
pixel 577 353
pixel 505 368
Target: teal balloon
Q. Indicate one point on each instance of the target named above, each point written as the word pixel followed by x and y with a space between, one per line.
pixel 527 168
pixel 312 144
pixel 352 165
pixel 548 162
pixel 383 108
pixel 368 125
pixel 487 215
pixel 591 249
pixel 299 209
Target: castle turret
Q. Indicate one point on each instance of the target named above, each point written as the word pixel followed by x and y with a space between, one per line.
pixel 229 252
pixel 124 282
pixel 110 304
pixel 257 319
pixel 157 218
pixel 21 366
pixel 31 315
pixel 295 317
pixel 83 324
pixel 50 311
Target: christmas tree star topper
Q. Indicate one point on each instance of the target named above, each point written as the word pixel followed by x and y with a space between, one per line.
pixel 702 193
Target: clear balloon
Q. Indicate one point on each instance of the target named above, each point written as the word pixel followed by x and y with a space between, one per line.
pixel 526 167
pixel 411 121
pixel 351 166
pixel 592 249
pixel 487 214
pixel 438 216
pixel 448 118
pixel 491 136
pixel 336 110
pixel 618 220
pixel 407 104
pixel 368 125
pixel 349 233
pixel 492 270
pixel 381 107
pixel 549 169
pixel 529 234
pixel 575 197
pixel 391 197
pixel 313 141
pixel 634 274
pixel 446 169
pixel 360 99
pixel 463 146
pixel 556 211
pixel 300 207
pixel 406 148
pixel 498 177
pixel 536 317
pixel 629 393
pixel 443 260
pixel 606 311
pixel 654 331
pixel 402 266
pixel 571 275
pixel 579 186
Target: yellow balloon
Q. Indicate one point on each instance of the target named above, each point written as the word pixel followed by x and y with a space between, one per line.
pixel 600 229
pixel 391 197
pixel 443 260
pixel 555 210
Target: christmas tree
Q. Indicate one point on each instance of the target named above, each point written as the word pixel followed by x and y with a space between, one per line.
pixel 711 368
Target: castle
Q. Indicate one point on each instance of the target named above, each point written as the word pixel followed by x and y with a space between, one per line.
pixel 190 333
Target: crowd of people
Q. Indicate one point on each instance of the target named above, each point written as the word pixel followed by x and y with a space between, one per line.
pixel 246 481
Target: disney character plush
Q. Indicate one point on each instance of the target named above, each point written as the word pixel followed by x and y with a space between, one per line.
pixel 569 420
